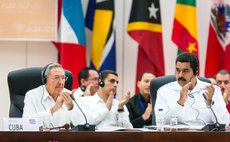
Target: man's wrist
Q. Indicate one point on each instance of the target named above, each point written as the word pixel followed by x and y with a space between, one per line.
pixel 144 117
pixel 180 103
pixel 52 110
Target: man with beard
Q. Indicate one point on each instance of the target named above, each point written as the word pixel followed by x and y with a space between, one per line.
pixel 184 98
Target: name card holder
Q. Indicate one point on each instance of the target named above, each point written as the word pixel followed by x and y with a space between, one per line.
pixel 20 124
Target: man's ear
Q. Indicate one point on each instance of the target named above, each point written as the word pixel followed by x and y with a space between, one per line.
pixel 83 81
pixel 138 84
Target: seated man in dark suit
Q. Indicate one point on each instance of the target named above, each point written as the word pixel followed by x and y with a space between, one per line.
pixel 140 109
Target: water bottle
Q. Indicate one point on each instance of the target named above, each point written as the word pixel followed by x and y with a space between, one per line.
pixel 160 120
pixel 173 123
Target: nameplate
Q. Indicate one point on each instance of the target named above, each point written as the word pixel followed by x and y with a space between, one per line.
pixel 20 124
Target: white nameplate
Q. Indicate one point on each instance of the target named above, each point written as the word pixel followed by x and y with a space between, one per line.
pixel 20 124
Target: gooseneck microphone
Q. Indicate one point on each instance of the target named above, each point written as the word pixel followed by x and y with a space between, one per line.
pixel 64 127
pixel 86 126
pixel 216 126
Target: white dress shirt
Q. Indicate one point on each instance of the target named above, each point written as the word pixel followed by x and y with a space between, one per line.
pixel 37 105
pixel 97 113
pixel 78 93
pixel 195 110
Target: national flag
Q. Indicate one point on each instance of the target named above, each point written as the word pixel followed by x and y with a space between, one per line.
pixel 71 37
pixel 185 34
pixel 100 19
pixel 32 121
pixel 145 27
pixel 218 50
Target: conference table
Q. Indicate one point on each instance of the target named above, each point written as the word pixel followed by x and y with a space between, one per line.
pixel 114 136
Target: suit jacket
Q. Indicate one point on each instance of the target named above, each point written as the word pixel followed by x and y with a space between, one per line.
pixel 136 107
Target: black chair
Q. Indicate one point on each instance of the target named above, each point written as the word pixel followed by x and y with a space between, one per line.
pixel 156 83
pixel 22 80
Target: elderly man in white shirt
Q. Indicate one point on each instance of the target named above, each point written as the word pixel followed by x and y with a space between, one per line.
pixel 50 102
pixel 102 109
pixel 184 97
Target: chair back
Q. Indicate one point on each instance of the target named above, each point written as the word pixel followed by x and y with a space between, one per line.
pixel 22 80
pixel 157 82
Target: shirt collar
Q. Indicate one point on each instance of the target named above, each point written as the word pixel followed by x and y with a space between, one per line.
pixel 79 91
pixel 46 94
pixel 199 86
pixel 97 98
pixel 140 97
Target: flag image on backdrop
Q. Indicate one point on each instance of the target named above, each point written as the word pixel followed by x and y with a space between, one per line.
pixel 218 50
pixel 71 37
pixel 185 34
pixel 145 28
pixel 100 19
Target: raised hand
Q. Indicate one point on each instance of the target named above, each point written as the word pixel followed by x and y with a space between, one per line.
pixel 209 92
pixel 148 112
pixel 58 104
pixel 226 93
pixel 184 93
pixel 124 101
pixel 109 101
pixel 88 90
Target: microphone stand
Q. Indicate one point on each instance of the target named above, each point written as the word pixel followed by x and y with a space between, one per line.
pixel 86 126
pixel 213 126
pixel 65 127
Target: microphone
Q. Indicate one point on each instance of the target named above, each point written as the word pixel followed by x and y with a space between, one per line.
pixel 216 126
pixel 86 126
pixel 66 127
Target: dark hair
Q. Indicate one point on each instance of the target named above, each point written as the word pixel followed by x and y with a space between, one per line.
pixel 189 58
pixel 140 77
pixel 84 74
pixel 223 72
pixel 104 74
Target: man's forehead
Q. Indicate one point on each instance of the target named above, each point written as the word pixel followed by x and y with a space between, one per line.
pixel 112 76
pixel 57 71
pixel 92 72
pixel 225 76
pixel 183 65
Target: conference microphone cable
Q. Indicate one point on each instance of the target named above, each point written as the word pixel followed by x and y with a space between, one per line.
pixel 86 126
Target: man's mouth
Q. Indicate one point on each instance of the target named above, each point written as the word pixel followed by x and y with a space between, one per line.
pixel 181 79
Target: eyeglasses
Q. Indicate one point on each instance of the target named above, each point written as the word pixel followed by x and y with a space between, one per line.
pixel 93 79
pixel 219 82
pixel 57 78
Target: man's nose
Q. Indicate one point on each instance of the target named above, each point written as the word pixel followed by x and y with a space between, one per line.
pixel 61 81
pixel 115 83
pixel 181 74
pixel 222 84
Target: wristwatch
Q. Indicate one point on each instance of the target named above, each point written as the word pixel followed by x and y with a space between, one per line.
pixel 120 110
